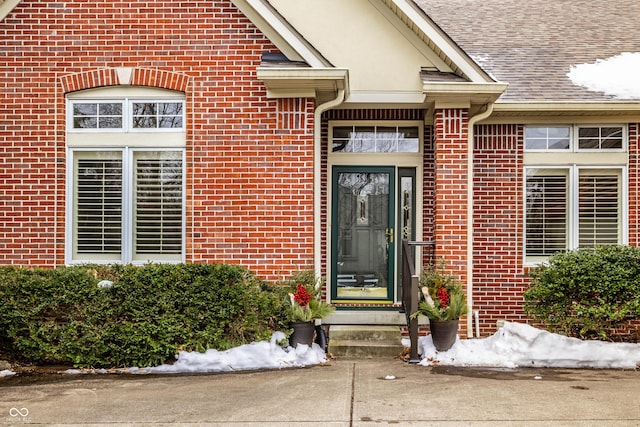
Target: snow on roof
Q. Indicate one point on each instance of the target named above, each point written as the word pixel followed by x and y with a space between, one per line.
pixel 617 76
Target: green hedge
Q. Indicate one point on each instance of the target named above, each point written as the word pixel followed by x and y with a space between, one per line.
pixel 61 316
pixel 586 293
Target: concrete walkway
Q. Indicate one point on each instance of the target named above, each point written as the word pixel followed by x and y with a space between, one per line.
pixel 341 393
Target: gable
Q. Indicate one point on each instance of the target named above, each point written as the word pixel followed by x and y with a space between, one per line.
pixel 385 56
pixel 356 35
pixel 380 52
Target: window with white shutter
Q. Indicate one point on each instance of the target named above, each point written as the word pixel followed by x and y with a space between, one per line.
pixel 125 191
pixel 569 208
pixel 598 208
pixel 575 188
pixel 114 224
pixel 157 219
pixel 547 213
pixel 98 206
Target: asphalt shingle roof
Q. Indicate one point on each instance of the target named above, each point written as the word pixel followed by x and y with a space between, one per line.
pixel 532 44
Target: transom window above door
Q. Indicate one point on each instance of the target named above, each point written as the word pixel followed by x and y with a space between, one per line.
pixel 375 139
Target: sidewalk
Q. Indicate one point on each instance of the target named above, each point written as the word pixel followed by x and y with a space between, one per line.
pixel 340 393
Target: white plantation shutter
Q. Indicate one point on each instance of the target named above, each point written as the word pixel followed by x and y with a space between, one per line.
pixel 98 207
pixel 547 217
pixel 157 218
pixel 599 208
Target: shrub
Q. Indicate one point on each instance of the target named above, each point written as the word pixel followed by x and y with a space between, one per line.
pixel 585 293
pixel 148 315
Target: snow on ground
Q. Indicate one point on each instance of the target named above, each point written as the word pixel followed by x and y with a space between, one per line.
pixel 254 356
pixel 514 345
pixel 617 76
pixel 519 345
pixel 257 355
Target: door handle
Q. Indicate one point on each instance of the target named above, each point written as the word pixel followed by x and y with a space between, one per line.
pixel 389 234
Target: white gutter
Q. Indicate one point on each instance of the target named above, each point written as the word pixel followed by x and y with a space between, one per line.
pixel 317 173
pixel 470 146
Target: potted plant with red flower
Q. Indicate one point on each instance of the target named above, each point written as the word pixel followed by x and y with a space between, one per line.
pixel 306 307
pixel 443 302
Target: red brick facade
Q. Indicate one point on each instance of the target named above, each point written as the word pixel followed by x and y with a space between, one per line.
pixel 249 159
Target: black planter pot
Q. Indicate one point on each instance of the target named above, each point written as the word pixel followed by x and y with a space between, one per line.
pixel 302 333
pixel 443 333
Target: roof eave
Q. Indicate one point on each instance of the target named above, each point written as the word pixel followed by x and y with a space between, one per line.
pixel 459 94
pixel 565 111
pixel 302 82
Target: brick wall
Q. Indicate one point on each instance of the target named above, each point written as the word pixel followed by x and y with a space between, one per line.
pixel 499 276
pixel 249 159
pixel 450 151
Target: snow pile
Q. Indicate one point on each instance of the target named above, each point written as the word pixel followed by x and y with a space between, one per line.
pixel 257 355
pixel 514 345
pixel 616 76
pixel 519 345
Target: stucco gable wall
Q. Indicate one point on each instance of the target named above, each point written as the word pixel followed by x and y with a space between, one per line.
pixel 356 35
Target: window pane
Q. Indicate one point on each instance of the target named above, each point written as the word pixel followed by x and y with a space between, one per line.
pixel 611 138
pixel 386 139
pixel 98 216
pixel 111 109
pixel 376 139
pixel 363 140
pixel 546 222
pixel 85 109
pixel 342 138
pixel 547 138
pixel 85 116
pixel 600 138
pixel 85 122
pixel 103 115
pixel 158 204
pixel 599 208
pixel 408 140
pixel 170 122
pixel 157 115
pixel 170 108
pixel 144 122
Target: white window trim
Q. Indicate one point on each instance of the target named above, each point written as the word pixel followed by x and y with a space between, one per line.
pixel 127 201
pixel 573 138
pixel 573 217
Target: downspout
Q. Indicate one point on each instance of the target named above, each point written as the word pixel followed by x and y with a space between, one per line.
pixel 470 177
pixel 317 173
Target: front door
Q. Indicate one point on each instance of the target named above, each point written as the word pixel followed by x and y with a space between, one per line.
pixel 363 234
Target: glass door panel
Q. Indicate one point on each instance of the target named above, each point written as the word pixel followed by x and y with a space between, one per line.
pixel 363 233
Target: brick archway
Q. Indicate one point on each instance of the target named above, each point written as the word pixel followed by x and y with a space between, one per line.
pixel 124 76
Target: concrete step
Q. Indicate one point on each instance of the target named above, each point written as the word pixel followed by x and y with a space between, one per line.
pixel 365 341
